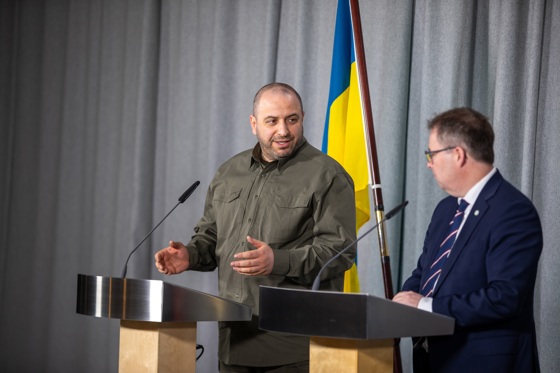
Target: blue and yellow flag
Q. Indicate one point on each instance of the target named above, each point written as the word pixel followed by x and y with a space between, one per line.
pixel 344 136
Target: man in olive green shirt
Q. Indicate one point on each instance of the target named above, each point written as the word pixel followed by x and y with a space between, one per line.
pixel 273 216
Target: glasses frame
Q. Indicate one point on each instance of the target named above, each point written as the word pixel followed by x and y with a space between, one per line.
pixel 430 153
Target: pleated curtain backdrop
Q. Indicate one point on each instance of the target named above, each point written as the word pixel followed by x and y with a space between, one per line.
pixel 109 110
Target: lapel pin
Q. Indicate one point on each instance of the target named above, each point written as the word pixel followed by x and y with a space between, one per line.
pixel 476 213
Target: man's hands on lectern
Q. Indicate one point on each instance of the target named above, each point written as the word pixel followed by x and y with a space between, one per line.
pixel 409 298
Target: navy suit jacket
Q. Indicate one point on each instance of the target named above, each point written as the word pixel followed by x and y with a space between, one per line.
pixel 487 283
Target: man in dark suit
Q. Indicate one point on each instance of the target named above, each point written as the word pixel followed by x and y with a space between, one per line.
pixel 480 257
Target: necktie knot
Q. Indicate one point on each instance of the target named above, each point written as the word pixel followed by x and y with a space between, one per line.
pixel 459 213
pixel 463 206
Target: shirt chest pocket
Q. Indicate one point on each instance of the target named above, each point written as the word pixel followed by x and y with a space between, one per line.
pixel 226 205
pixel 289 216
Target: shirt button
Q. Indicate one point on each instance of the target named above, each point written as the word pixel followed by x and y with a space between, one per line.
pixel 256 196
pixel 237 295
pixel 250 220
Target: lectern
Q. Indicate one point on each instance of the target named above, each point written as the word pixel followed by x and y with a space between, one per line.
pixel 350 332
pixel 158 319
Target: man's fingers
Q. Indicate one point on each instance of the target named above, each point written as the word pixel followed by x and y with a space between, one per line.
pixel 255 242
pixel 247 255
pixel 246 265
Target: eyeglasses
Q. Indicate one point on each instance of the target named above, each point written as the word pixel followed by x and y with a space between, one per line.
pixel 430 153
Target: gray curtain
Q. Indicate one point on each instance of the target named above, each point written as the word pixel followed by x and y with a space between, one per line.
pixel 109 110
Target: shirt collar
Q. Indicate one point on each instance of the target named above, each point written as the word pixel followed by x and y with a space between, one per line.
pixel 474 192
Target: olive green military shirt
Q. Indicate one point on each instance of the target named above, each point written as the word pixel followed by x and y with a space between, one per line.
pixel 303 208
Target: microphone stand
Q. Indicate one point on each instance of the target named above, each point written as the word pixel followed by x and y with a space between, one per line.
pixel 182 199
pixel 389 215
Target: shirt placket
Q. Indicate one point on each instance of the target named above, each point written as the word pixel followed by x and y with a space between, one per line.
pixel 253 202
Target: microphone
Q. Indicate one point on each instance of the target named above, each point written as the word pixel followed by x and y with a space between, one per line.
pixel 388 216
pixel 182 199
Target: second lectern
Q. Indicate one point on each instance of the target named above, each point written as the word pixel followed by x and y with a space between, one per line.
pixel 350 332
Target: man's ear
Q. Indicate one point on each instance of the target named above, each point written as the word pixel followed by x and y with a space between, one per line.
pixel 253 122
pixel 461 155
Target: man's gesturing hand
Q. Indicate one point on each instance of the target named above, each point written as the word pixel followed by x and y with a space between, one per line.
pixel 173 259
pixel 257 262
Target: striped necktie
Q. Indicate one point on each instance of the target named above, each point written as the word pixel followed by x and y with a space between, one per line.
pixel 444 250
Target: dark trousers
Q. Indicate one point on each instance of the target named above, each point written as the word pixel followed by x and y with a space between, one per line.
pixel 421 361
pixel 300 367
pixel 420 356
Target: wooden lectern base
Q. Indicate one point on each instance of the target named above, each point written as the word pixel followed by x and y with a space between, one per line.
pixel 350 355
pixel 150 347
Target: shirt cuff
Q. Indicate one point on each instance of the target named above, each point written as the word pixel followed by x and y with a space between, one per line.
pixel 281 262
pixel 194 257
pixel 426 304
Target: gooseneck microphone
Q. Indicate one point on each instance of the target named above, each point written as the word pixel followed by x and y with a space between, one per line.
pixel 182 199
pixel 388 216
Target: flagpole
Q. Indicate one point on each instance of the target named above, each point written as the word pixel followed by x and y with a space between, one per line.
pixel 374 165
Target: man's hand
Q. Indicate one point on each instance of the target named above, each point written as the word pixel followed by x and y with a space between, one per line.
pixel 257 262
pixel 408 298
pixel 173 259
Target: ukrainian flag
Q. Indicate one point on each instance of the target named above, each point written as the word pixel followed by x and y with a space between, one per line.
pixel 344 136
